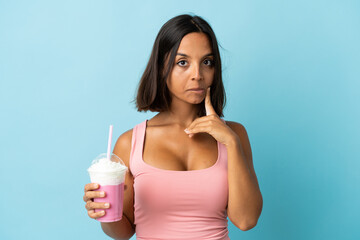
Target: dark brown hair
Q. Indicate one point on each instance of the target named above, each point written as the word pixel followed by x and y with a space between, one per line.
pixel 152 93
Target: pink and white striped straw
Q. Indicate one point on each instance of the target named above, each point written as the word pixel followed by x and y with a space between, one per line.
pixel 109 141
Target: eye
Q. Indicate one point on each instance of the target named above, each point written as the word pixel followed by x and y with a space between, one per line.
pixel 181 63
pixel 209 62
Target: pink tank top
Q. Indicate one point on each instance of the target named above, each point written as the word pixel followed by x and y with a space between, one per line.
pixel 172 204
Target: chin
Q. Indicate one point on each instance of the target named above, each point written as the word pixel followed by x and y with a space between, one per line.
pixel 197 101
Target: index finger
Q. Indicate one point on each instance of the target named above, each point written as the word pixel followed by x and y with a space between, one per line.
pixel 91 186
pixel 208 106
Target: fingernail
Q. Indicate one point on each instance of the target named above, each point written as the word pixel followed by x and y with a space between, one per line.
pixel 190 135
pixel 102 211
pixel 106 205
pixel 102 194
pixel 95 185
pixel 187 130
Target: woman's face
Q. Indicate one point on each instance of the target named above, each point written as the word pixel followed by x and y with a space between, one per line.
pixel 193 70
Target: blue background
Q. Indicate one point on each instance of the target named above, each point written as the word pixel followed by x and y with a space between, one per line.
pixel 68 69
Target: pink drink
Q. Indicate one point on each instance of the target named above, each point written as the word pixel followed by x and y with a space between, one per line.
pixel 110 175
pixel 114 194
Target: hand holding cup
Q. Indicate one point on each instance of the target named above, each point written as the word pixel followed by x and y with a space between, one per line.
pixel 90 205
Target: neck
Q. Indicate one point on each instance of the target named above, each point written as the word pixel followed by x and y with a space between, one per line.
pixel 182 115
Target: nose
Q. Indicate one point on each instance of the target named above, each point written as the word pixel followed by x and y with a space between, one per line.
pixel 196 72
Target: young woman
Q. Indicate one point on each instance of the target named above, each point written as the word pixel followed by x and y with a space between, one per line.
pixel 189 169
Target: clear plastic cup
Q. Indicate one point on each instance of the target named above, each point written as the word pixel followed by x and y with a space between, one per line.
pixel 110 175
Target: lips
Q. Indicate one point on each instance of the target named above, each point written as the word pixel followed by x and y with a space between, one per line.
pixel 196 89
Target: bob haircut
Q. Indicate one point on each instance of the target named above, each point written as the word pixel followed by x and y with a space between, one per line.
pixel 153 93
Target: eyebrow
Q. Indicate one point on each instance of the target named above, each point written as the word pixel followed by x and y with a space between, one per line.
pixel 206 55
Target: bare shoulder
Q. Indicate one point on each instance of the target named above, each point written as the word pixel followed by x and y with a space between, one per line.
pixel 122 146
pixel 240 130
pixel 233 124
pixel 237 128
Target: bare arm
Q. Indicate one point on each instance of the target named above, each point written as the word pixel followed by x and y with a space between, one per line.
pixel 245 199
pixel 120 230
